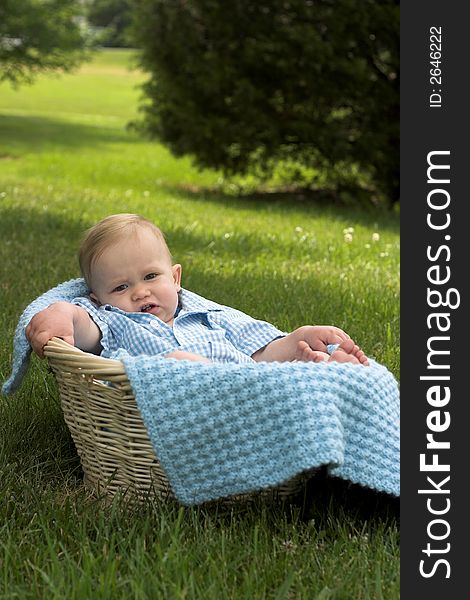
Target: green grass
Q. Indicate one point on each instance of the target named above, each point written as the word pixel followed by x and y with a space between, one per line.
pixel 66 160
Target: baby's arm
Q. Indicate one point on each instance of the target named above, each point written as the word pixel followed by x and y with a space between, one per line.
pixel 68 321
pixel 292 346
pixel 74 325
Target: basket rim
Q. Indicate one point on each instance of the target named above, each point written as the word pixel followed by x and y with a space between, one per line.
pixel 75 359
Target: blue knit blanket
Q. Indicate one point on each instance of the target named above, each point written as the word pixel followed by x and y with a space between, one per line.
pixel 66 291
pixel 223 429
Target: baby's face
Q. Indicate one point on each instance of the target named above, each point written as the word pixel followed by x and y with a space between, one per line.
pixel 136 275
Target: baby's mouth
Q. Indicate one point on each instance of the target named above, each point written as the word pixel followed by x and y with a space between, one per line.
pixel 147 307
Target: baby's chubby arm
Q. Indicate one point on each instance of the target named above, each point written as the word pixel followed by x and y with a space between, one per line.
pixel 74 325
pixel 68 321
pixel 285 349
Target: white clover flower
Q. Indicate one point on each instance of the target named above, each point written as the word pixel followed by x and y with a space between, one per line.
pixel 375 237
pixel 348 238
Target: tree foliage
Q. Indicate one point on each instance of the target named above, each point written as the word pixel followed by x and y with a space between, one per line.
pixel 39 35
pixel 114 18
pixel 243 84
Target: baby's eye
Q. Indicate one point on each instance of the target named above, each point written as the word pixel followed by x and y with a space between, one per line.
pixel 120 288
pixel 151 276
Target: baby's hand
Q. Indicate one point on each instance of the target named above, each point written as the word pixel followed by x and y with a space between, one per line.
pixel 319 337
pixel 315 341
pixel 307 343
pixel 303 353
pixel 54 321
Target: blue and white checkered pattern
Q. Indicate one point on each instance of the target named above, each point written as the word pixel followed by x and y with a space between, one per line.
pixel 220 333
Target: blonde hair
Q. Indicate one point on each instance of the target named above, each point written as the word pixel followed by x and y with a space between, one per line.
pixel 109 231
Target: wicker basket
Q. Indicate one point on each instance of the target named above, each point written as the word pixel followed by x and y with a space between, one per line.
pixel 106 426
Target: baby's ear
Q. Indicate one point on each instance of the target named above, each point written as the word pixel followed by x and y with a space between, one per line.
pixel 177 269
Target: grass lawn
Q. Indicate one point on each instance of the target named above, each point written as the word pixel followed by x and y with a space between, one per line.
pixel 67 160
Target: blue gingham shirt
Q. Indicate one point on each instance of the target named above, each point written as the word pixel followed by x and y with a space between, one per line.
pixel 218 332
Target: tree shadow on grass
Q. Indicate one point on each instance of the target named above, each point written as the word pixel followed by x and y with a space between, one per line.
pixel 26 134
pixel 37 252
pixel 319 203
pixel 34 134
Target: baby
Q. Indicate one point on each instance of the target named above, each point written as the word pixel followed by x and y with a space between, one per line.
pixel 136 303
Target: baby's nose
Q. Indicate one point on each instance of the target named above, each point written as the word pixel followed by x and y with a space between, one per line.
pixel 140 291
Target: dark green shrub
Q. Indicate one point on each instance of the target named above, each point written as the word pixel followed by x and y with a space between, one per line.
pixel 244 84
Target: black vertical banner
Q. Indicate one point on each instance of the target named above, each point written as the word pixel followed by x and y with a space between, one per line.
pixel 435 241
